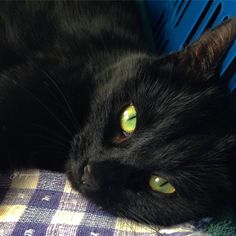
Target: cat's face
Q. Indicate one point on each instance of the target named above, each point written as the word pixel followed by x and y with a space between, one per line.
pixel 173 163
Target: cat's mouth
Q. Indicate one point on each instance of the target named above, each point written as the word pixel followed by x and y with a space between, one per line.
pixel 87 181
pixel 84 178
pixel 75 173
pixel 82 170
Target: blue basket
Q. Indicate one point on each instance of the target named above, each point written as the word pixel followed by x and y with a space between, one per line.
pixel 176 23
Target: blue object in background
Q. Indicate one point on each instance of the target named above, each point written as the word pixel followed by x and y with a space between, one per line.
pixel 176 23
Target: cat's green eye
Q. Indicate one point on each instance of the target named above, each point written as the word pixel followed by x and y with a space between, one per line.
pixel 161 185
pixel 128 119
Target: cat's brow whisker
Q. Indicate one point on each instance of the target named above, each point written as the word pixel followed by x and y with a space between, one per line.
pixel 73 119
pixel 45 107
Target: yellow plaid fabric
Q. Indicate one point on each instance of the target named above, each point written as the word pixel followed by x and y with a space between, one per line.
pixel 37 202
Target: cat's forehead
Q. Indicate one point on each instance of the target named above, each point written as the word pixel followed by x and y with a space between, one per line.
pixel 165 101
pixel 154 89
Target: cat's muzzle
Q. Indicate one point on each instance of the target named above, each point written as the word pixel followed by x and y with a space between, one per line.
pixel 88 180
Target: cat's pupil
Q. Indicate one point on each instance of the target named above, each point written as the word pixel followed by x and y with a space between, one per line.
pixel 163 184
pixel 131 118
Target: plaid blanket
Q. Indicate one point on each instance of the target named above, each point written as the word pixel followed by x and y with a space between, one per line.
pixel 37 202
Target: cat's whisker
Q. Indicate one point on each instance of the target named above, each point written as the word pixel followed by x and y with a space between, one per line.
pixel 72 115
pixel 127 223
pixel 52 133
pixel 141 218
pixel 45 107
pixel 58 102
pixel 60 151
pixel 41 147
pixel 53 141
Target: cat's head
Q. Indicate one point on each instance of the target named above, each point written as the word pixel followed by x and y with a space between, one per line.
pixel 157 144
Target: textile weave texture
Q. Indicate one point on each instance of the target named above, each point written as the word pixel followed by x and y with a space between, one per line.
pixel 35 202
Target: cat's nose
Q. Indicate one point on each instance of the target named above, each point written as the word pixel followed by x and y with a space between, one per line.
pixel 88 179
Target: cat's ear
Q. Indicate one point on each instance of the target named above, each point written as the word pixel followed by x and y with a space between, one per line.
pixel 205 54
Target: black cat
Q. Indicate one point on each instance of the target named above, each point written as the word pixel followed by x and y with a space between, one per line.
pixel 148 138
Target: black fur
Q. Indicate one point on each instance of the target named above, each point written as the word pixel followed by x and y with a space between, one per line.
pixel 67 71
